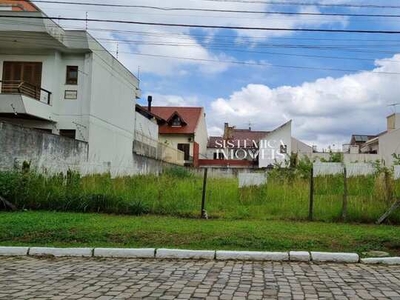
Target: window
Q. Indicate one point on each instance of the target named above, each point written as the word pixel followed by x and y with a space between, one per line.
pixel 15 73
pixel 68 133
pixel 185 148
pixel 176 122
pixel 72 75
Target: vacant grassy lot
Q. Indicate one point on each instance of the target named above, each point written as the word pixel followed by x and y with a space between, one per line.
pixel 75 229
pixel 178 193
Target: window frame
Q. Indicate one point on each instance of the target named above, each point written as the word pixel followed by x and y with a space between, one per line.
pixel 68 80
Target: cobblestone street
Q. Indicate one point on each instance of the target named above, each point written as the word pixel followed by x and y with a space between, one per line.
pixel 72 278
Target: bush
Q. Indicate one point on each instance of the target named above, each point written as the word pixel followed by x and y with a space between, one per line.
pixel 178 172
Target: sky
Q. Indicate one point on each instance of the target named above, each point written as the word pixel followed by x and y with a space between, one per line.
pixel 332 85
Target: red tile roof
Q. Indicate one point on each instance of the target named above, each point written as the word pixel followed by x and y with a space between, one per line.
pixel 20 5
pixel 240 137
pixel 190 115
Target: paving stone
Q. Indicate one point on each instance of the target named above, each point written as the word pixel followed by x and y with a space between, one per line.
pixel 117 278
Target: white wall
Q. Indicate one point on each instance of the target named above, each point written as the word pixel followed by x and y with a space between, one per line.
pixel 146 130
pixel 300 147
pixel 112 113
pixel 201 136
pixel 270 147
pixel 347 157
pixel 388 144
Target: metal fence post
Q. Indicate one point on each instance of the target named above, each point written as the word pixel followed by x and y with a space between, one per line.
pixel 203 200
pixel 345 192
pixel 311 207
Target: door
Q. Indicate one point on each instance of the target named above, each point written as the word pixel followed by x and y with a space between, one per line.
pixel 29 74
pixel 185 148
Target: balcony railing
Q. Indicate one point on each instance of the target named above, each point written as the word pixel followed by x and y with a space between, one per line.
pixel 25 88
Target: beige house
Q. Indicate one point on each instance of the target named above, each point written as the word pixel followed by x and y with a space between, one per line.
pixel 182 128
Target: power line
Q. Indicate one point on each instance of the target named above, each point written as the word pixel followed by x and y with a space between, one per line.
pixel 247 63
pixel 156 41
pixel 218 10
pixel 292 3
pixel 229 46
pixel 185 36
pixel 259 64
pixel 206 26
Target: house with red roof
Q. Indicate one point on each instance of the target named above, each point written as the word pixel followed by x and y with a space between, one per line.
pixel 183 128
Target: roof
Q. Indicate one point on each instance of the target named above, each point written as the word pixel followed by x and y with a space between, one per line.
pixel 243 137
pixel 23 5
pixel 149 115
pixel 190 116
pixel 362 138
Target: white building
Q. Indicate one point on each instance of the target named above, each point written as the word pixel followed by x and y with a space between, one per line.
pixel 246 148
pixel 66 83
pixel 387 143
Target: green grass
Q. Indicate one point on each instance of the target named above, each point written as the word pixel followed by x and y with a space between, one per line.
pixel 99 230
pixel 178 193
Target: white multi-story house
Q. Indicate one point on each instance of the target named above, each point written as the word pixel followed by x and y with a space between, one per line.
pixel 66 83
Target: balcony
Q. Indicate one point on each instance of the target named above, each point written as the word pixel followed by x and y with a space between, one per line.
pixel 25 88
pixel 24 100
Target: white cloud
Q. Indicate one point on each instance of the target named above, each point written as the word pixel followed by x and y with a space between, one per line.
pixel 325 111
pixel 174 100
pixel 162 48
pixel 190 46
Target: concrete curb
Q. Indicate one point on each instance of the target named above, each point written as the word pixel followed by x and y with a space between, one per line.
pixel 250 255
pixel 184 254
pixel 335 257
pixel 381 260
pixel 61 252
pixel 300 256
pixel 295 256
pixel 14 251
pixel 124 252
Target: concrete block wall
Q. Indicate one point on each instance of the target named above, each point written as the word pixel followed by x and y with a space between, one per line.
pixel 54 154
pixel 43 150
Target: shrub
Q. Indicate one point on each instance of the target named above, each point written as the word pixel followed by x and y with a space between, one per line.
pixel 178 172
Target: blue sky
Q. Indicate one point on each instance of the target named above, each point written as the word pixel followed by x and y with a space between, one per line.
pixel 326 106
